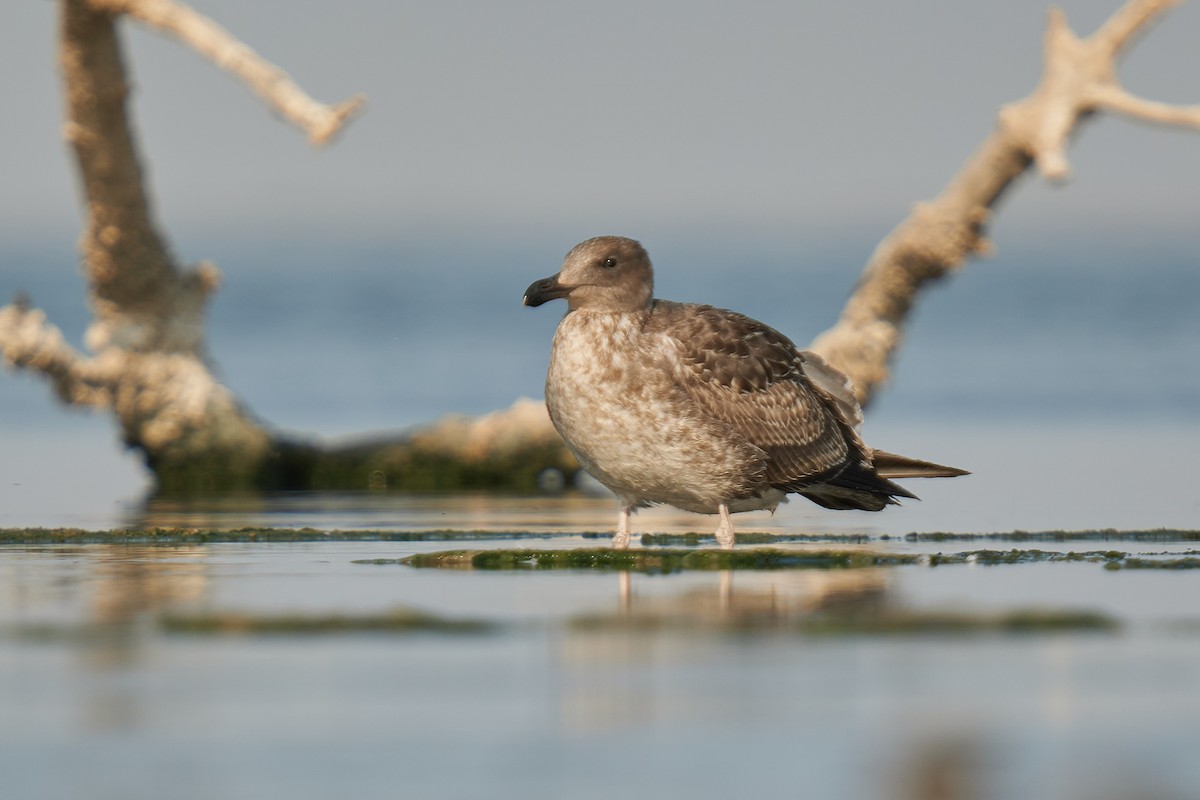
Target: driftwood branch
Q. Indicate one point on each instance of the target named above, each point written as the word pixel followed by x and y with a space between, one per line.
pixel 1078 79
pixel 1119 101
pixel 31 342
pixel 276 88
pixel 149 364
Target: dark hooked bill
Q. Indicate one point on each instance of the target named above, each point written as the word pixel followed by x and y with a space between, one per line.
pixel 544 291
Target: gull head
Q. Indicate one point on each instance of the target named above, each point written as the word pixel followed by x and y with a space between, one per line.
pixel 607 273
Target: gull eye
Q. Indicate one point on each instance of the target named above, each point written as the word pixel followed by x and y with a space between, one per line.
pixel 609 262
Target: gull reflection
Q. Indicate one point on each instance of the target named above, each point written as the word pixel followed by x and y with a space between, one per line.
pixel 755 598
pixel 610 668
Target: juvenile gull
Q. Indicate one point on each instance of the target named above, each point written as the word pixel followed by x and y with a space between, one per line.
pixel 698 407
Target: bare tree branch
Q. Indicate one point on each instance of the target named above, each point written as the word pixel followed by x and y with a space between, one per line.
pixel 1126 24
pixel 149 365
pixel 125 257
pixel 1078 79
pixel 273 85
pixel 1117 100
pixel 30 342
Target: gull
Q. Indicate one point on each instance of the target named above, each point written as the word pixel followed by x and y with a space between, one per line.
pixel 698 407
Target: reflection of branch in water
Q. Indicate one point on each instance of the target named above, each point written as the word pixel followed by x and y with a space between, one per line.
pixel 130 580
pixel 127 582
pixel 389 510
pixel 235 510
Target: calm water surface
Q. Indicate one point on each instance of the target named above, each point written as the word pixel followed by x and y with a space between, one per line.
pixel 102 699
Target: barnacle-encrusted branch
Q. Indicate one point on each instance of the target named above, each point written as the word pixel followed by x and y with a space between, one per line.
pixel 28 341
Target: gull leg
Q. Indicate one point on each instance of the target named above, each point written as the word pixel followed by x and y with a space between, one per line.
pixel 724 528
pixel 620 539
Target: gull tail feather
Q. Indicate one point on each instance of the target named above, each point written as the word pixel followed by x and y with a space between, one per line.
pixel 891 465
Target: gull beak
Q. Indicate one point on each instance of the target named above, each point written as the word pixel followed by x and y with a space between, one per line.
pixel 544 291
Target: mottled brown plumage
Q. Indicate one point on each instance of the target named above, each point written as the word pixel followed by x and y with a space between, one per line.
pixel 696 406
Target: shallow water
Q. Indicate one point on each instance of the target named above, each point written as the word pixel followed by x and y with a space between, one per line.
pixel 556 696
